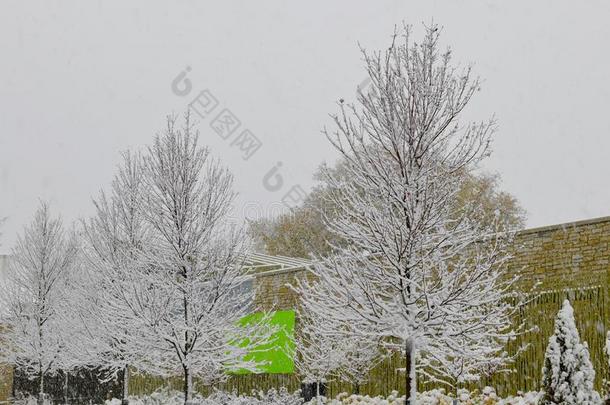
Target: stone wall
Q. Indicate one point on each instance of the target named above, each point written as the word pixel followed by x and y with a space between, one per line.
pixel 273 291
pixel 571 255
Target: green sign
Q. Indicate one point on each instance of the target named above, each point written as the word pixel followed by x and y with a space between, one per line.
pixel 274 357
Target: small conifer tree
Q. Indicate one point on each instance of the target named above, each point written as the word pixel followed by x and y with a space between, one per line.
pixel 567 375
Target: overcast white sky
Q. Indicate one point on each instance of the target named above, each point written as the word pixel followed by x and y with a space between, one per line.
pixel 81 81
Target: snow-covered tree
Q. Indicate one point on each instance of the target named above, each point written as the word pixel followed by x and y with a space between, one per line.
pixel 34 292
pixel 418 269
pixel 324 353
pixel 327 351
pixel 189 303
pixel 361 356
pixel 568 375
pixel 317 356
pixel 467 363
pixel 70 360
pixel 302 232
pixel 116 237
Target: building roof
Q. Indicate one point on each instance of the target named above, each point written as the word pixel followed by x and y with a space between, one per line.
pixel 262 263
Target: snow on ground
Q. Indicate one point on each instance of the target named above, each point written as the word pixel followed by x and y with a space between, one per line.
pixel 282 397
pixel 272 397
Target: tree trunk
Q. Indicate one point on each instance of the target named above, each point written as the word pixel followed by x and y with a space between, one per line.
pixel 125 394
pixel 66 376
pixel 41 387
pixel 188 379
pixel 188 386
pixel 410 378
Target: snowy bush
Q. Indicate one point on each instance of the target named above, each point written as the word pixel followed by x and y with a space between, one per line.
pixel 568 375
pixel 487 396
pixel 435 397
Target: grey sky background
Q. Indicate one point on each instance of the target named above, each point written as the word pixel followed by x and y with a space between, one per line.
pixel 82 81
